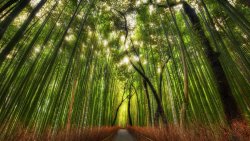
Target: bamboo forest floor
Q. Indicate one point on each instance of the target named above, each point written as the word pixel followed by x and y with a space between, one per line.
pixel 239 131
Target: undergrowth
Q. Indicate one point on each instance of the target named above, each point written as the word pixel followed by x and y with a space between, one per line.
pixel 239 131
pixel 86 134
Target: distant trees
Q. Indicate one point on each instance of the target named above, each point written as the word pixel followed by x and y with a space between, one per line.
pixel 83 62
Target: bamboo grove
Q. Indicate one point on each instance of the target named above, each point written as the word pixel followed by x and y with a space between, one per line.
pixel 88 63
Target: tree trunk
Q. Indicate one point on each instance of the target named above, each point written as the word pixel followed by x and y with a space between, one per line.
pixel 161 81
pixel 116 112
pixel 129 107
pixel 160 113
pixel 71 105
pixel 145 85
pixel 27 52
pixel 159 110
pixel 183 111
pixel 7 21
pixel 236 16
pixel 19 34
pixel 229 104
pixel 6 13
pixel 185 71
pixel 7 5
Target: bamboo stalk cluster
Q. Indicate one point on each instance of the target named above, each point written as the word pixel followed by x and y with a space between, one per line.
pixel 60 69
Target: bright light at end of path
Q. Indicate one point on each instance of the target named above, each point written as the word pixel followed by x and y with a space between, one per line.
pixel 122 115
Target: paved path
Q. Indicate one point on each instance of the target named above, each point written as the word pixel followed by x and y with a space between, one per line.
pixel 123 135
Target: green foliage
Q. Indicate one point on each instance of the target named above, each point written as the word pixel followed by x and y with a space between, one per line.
pixel 73 67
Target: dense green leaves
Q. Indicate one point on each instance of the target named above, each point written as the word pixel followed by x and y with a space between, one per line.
pixel 68 64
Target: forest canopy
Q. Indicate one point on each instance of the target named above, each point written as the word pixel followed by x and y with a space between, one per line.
pixel 88 63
